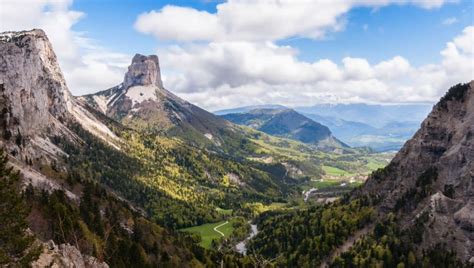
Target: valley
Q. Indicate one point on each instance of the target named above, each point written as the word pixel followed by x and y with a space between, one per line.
pixel 135 176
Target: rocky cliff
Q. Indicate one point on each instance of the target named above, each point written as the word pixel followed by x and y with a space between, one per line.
pixel 433 175
pixel 35 102
pixel 37 109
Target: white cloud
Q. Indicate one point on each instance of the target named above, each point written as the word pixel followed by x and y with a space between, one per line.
pixel 179 23
pixel 450 21
pixel 229 74
pixel 258 20
pixel 357 68
pixel 87 67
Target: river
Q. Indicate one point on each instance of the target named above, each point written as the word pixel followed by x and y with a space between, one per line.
pixel 241 247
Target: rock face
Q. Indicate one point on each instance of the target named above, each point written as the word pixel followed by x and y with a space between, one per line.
pixel 36 106
pixel 433 174
pixel 35 102
pixel 142 102
pixel 32 97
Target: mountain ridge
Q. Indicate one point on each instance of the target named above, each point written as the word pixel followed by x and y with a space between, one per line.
pixel 286 123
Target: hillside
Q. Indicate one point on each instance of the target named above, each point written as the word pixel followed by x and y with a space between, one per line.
pixel 288 124
pixel 431 176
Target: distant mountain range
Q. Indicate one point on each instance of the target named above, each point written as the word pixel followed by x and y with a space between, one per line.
pixel 381 127
pixel 371 114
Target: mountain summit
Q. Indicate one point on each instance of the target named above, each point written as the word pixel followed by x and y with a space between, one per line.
pixel 142 102
pixel 144 71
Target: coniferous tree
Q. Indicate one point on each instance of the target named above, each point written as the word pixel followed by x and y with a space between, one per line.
pixel 15 243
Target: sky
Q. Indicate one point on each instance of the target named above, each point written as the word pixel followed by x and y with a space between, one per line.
pixel 225 54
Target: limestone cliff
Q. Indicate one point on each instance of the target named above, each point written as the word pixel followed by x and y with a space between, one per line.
pixel 35 102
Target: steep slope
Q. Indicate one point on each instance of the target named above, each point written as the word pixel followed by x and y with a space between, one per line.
pixel 285 123
pixel 141 102
pixel 433 175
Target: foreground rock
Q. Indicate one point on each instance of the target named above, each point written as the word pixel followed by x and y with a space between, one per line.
pixel 65 255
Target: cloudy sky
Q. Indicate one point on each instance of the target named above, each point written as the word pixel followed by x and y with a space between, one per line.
pixel 224 54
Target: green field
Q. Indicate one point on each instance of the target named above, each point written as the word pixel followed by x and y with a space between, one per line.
pixel 374 165
pixel 333 171
pixel 207 233
pixel 224 211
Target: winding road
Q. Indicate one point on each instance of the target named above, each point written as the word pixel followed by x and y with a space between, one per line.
pixel 220 225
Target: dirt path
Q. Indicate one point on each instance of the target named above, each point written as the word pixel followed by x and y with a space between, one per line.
pixel 220 225
pixel 346 245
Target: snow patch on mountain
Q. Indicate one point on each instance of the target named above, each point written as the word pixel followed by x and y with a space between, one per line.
pixel 139 94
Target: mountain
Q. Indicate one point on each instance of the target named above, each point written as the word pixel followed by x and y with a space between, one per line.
pixel 141 102
pixel 286 123
pixel 36 104
pixel 371 114
pixel 65 152
pixel 390 131
pixel 118 177
pixel 389 137
pixel 431 176
pixel 416 212
pixel 247 109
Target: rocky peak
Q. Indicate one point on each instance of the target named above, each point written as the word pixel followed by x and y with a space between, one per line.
pixel 144 71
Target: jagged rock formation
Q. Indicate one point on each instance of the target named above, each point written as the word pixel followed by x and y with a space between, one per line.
pixel 433 175
pixel 286 123
pixel 141 102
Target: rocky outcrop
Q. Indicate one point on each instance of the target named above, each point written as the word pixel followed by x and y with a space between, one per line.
pixel 144 71
pixel 65 255
pixel 433 174
pixel 35 102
